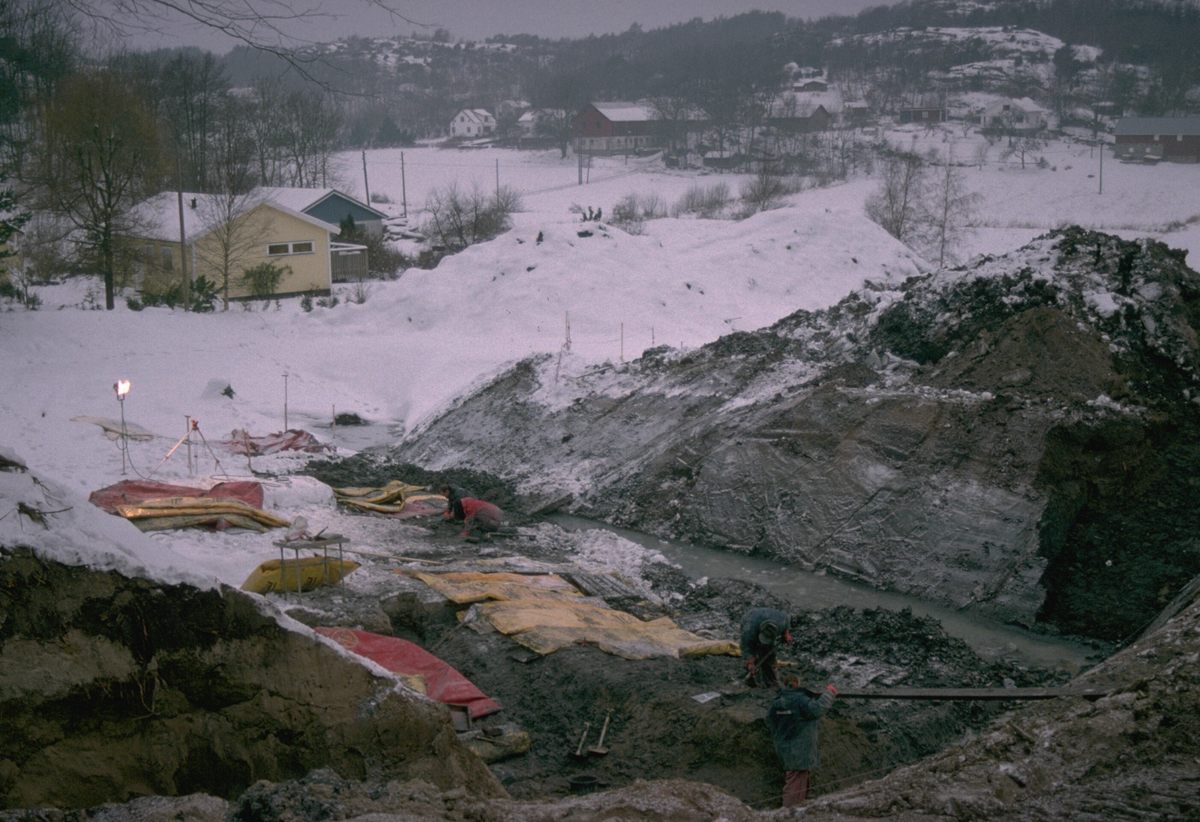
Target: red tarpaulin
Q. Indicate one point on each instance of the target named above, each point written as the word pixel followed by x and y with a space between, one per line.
pixel 442 682
pixel 133 492
pixel 240 442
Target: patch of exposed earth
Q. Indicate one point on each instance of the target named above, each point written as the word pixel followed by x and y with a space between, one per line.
pixel 1019 437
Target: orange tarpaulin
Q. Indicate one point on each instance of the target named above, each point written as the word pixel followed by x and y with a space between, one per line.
pixel 442 682
pixel 134 492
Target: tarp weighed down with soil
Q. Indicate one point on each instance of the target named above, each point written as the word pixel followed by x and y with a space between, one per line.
pixel 398 498
pixel 545 613
pixel 294 439
pixel 440 681
pixel 158 506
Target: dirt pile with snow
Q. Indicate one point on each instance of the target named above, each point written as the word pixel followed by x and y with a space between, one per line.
pixel 1016 436
pixel 115 687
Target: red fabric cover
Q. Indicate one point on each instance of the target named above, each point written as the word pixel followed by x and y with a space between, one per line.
pixel 240 442
pixel 132 492
pixel 442 682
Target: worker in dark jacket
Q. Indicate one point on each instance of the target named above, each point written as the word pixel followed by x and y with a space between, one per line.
pixel 792 718
pixel 763 631
pixel 478 516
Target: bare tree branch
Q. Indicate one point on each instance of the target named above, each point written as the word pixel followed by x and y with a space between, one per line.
pixel 267 26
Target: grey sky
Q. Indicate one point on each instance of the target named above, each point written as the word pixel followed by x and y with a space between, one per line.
pixel 476 19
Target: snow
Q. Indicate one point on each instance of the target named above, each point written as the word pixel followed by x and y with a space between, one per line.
pixel 418 343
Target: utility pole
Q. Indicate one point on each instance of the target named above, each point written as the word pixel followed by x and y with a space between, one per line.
pixel 403 186
pixel 366 185
pixel 497 179
pixel 183 267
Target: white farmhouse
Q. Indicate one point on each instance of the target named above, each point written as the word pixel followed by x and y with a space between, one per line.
pixel 473 122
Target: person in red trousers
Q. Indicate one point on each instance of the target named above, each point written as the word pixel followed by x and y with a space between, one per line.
pixel 792 718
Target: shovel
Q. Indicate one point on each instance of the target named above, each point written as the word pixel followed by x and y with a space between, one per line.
pixel 579 754
pixel 598 749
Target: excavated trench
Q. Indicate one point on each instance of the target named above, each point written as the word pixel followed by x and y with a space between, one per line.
pixel 691 718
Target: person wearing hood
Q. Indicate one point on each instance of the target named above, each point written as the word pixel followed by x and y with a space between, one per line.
pixel 793 720
pixel 764 630
pixel 477 516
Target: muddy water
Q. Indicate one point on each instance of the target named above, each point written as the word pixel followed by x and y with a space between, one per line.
pixel 807 590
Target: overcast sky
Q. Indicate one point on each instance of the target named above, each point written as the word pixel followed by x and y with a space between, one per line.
pixel 477 19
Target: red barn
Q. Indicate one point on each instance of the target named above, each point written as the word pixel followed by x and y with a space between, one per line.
pixel 614 128
pixel 1158 138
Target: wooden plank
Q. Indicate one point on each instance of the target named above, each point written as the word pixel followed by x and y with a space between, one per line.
pixel 985 694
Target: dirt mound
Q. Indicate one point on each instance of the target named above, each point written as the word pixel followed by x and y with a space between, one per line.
pixel 1013 437
pixel 116 687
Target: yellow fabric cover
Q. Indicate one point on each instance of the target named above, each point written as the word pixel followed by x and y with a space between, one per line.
pixel 270 576
pixel 465 587
pixel 544 613
pixel 389 499
pixel 180 512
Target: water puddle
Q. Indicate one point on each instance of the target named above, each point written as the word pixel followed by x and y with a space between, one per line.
pixel 812 591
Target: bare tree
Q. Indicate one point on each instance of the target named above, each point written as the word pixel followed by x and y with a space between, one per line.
pixel 265 25
pixel 457 219
pixel 233 226
pixel 101 153
pixel 898 205
pixel 950 209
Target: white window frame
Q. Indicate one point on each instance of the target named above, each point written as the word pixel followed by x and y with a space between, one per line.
pixel 291 248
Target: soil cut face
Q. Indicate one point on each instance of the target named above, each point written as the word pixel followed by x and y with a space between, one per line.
pixel 1016 437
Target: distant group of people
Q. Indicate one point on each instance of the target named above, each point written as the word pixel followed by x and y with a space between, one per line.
pixel 793 714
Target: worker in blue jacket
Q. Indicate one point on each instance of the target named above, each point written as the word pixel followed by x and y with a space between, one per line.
pixel 792 719
pixel 764 630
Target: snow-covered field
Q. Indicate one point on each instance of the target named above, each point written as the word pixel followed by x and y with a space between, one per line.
pixel 419 342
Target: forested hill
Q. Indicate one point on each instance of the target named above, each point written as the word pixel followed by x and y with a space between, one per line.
pixel 424 79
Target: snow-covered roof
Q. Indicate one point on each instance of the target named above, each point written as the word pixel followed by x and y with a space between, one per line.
pixel 621 112
pixel 1189 126
pixel 806 103
pixel 1025 104
pixel 302 199
pixel 157 218
pixel 476 115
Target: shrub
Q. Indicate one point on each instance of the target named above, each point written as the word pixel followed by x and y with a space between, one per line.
pixel 263 279
pixel 632 211
pixel 204 294
pixel 170 296
pixel 458 219
pixel 765 191
pixel 708 202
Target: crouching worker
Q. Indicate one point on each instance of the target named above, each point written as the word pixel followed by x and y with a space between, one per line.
pixel 477 516
pixel 792 718
pixel 763 631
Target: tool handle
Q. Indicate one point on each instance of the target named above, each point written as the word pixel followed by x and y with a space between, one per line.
pixel 604 730
pixel 586 727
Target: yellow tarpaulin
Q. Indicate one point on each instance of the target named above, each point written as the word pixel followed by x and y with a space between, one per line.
pixel 390 499
pixel 178 512
pixel 544 613
pixel 304 574
pixel 465 587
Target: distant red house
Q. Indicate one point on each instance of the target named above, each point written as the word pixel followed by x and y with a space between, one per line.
pixel 615 127
pixel 1158 138
pixel 923 114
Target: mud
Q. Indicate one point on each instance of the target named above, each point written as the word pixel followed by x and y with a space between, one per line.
pixel 658 729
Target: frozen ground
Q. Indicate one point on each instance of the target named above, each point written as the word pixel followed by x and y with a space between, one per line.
pixel 419 342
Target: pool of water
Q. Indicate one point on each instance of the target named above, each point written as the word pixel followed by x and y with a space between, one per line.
pixel 813 591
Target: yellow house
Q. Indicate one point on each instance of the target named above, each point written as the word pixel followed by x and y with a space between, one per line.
pixel 225 236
